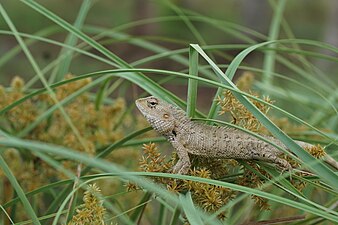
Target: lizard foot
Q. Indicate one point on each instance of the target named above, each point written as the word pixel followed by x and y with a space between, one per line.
pixel 181 167
pixel 284 166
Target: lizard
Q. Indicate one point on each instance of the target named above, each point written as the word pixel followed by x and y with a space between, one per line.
pixel 187 136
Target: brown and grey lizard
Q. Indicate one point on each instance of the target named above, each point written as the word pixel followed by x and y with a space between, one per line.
pixel 188 136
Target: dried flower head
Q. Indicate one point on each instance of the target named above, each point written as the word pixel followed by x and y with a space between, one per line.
pixel 92 211
pixel 240 115
pixel 209 197
pixel 253 180
pixel 152 160
pixel 245 82
pixel 316 151
pixel 17 83
pixel 96 127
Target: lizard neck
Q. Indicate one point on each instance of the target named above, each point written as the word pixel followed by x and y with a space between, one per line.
pixel 183 124
pixel 179 115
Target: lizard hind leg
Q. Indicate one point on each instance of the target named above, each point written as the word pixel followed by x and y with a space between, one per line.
pixel 181 167
pixel 281 164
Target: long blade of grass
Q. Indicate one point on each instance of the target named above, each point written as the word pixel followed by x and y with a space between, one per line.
pixel 175 216
pixel 21 194
pixel 71 41
pixel 273 197
pixel 269 58
pixel 189 209
pixel 187 22
pixel 192 83
pixel 101 94
pixel 137 214
pixel 10 54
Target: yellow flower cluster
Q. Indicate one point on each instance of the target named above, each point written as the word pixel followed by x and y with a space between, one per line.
pixel 240 115
pixel 92 211
pixel 95 126
pixel 251 179
pixel 209 197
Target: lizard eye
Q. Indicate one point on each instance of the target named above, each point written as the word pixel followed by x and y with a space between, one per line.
pixel 165 116
pixel 152 103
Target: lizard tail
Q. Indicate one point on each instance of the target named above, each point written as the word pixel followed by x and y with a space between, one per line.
pixel 331 161
pixel 327 158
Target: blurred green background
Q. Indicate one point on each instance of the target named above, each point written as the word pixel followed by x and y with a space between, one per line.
pixel 159 23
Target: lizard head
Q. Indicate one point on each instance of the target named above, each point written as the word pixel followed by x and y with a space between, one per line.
pixel 158 113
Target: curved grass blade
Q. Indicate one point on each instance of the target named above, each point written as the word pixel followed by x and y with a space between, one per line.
pixel 189 209
pixel 71 40
pixel 19 191
pixel 137 214
pixel 269 58
pixel 10 54
pixel 192 83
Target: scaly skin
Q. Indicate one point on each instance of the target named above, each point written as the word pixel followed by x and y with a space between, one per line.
pixel 187 136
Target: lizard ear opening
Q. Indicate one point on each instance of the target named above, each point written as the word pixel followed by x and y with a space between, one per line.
pixel 166 116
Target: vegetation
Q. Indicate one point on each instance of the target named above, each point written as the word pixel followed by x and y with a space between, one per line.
pixel 71 144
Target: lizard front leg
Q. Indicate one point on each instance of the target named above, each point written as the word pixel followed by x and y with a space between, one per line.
pixel 183 164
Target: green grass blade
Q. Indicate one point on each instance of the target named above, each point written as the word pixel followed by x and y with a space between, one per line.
pixel 137 214
pixel 101 94
pixel 189 209
pixel 175 217
pixel 97 163
pixel 192 83
pixel 76 32
pixel 162 215
pixel 71 40
pixel 10 54
pixel 115 145
pixel 269 58
pixel 329 213
pixel 152 87
pixel 19 191
pixel 187 22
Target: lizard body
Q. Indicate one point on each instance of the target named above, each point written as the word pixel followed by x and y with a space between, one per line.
pixel 188 136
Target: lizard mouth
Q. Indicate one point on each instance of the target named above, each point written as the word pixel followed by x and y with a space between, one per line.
pixel 140 104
